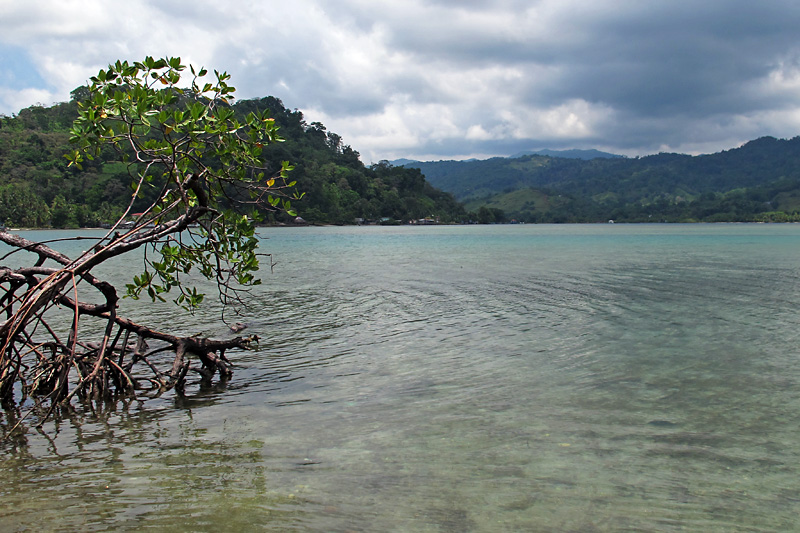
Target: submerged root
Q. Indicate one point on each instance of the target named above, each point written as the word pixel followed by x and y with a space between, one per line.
pixel 56 372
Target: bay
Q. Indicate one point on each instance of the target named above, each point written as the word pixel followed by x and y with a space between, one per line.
pixel 459 378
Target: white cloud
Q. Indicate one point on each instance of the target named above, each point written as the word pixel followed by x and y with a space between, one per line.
pixel 20 99
pixel 477 133
pixel 575 119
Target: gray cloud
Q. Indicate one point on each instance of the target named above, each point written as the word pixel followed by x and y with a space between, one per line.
pixel 454 79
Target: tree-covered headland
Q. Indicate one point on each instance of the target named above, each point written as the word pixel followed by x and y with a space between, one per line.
pixel 39 189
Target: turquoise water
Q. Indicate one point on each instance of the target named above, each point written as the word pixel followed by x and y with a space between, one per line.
pixel 484 378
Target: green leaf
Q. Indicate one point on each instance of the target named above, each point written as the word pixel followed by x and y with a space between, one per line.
pixel 169 137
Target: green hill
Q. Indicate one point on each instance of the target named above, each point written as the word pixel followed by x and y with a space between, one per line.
pixel 759 181
pixel 38 190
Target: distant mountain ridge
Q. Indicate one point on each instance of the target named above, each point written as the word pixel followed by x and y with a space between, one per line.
pixel 747 183
pixel 567 154
pixel 570 154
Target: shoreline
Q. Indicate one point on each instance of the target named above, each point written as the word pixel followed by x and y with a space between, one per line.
pixel 452 224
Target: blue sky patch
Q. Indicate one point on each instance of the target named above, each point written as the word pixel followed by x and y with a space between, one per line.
pixel 17 70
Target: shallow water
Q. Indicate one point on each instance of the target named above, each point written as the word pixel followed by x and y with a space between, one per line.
pixel 485 378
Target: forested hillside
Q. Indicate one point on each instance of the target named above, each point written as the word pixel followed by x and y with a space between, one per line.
pixel 759 181
pixel 37 189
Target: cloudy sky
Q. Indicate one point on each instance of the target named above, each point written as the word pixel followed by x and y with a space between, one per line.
pixel 449 79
